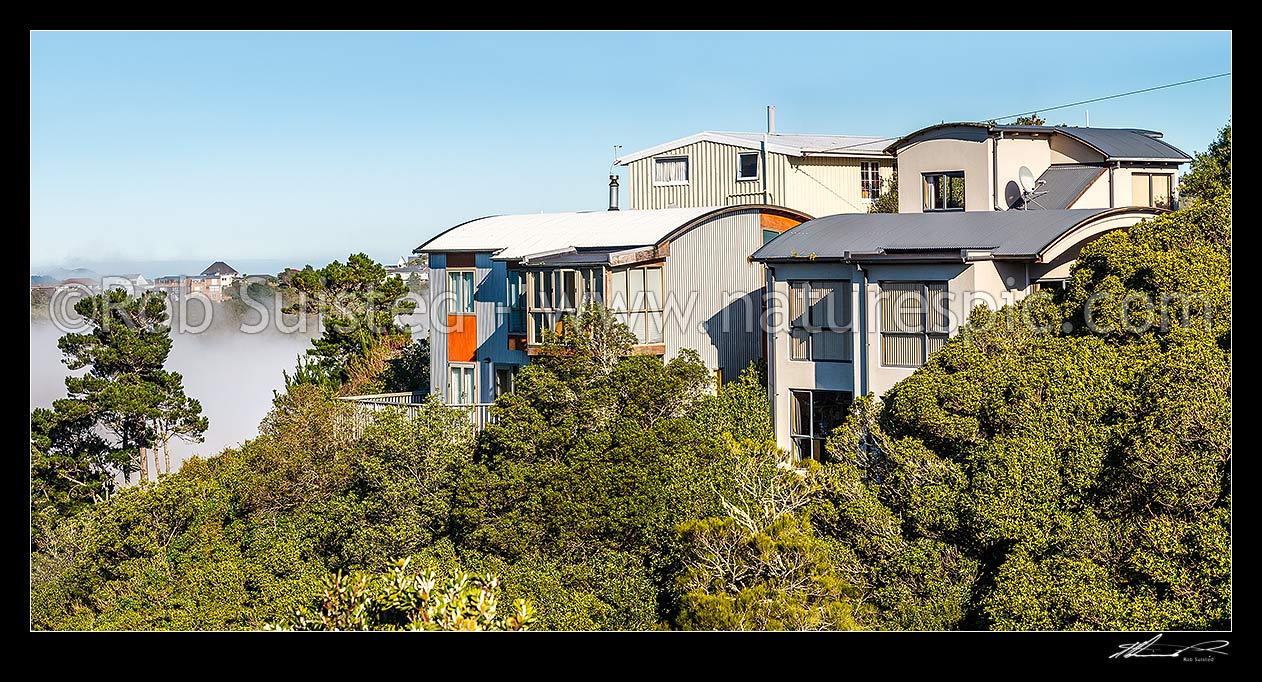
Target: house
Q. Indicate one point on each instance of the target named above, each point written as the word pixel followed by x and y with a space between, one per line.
pixel 678 278
pixel 815 174
pixel 976 166
pixel 856 303
pixel 171 285
pixel 222 271
pixel 180 286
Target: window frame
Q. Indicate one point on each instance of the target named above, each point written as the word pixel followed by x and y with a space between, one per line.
pixel 811 330
pixel 519 307
pixel 472 369
pixel 795 436
pixel 623 308
pixel 512 378
pixel 740 166
pixel 687 170
pixel 924 334
pixel 456 308
pixel 1152 199
pixel 924 194
pixel 589 287
pixel 869 180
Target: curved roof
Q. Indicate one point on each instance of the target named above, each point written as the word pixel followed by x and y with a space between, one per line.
pixel 1010 234
pixel 792 144
pixel 1116 144
pixel 512 237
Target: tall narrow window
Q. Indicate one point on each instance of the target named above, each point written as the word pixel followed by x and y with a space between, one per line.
pixel 870 179
pixel 944 191
pixel 670 170
pixel 1150 189
pixel 460 385
pixel 815 415
pixel 819 321
pixel 637 299
pixel 914 321
pixel 516 302
pixel 747 166
pixel 460 286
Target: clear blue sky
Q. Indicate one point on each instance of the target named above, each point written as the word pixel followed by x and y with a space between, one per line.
pixel 305 146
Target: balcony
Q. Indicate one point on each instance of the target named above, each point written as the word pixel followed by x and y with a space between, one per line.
pixel 410 404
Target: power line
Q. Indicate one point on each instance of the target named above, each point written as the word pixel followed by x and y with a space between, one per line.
pixel 1036 111
pixel 1123 94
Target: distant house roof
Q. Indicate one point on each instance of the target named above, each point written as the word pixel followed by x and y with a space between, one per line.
pixel 792 144
pixel 514 237
pixel 1116 144
pixel 1063 184
pixel 1004 234
pixel 219 268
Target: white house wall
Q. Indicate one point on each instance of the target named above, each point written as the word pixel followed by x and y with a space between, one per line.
pixel 1010 155
pixel 938 155
pixel 821 185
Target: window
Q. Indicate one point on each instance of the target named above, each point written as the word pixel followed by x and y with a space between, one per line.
pixel 516 302
pixel 637 301
pixel 671 170
pixel 768 235
pixel 815 415
pixel 460 387
pixel 1150 189
pixel 504 375
pixel 914 321
pixel 870 179
pixel 747 166
pixel 944 191
pixel 460 287
pixel 819 321
pixel 556 293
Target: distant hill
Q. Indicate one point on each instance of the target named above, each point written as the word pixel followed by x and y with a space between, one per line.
pixel 59 274
pixel 43 279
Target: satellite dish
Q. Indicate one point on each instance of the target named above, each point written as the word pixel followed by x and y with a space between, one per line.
pixel 1026 178
pixel 1029 188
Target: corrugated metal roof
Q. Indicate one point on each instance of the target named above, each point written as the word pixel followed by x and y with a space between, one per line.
pixel 532 234
pixel 1004 233
pixel 1064 183
pixel 792 144
pixel 1117 144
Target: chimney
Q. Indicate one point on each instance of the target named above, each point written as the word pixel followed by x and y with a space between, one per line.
pixel 771 119
pixel 613 192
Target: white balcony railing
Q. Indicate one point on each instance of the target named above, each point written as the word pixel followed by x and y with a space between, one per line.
pixel 410 403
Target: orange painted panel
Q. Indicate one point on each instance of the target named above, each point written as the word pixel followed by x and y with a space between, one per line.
pixel 462 339
pixel 779 223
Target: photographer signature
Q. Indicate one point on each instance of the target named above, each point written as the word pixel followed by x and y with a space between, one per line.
pixel 1152 649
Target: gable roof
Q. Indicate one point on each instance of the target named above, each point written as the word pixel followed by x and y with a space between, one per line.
pixel 1116 144
pixel 1005 234
pixel 219 268
pixel 514 237
pixel 1063 184
pixel 791 144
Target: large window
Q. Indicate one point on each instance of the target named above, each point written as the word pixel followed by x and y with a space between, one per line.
pixel 670 170
pixel 870 179
pixel 944 191
pixel 460 286
pixel 516 302
pixel 914 321
pixel 461 389
pixel 636 299
pixel 1150 189
pixel 819 320
pixel 815 415
pixel 747 166
pixel 556 293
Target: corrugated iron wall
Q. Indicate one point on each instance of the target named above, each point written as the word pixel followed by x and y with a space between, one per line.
pixel 710 264
pixel 438 315
pixel 491 292
pixel 712 169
